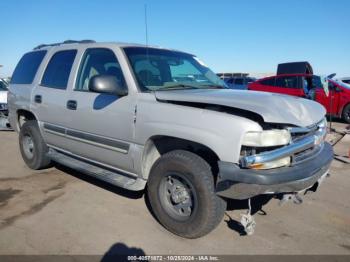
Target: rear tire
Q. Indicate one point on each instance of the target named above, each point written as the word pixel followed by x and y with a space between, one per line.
pixel 346 114
pixel 182 194
pixel 32 146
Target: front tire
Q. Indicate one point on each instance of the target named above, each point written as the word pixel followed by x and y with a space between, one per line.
pixel 32 146
pixel 182 194
pixel 346 114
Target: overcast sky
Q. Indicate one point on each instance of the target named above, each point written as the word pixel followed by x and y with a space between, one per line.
pixel 233 36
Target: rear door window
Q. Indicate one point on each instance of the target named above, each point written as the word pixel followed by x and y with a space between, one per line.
pixel 268 82
pixel 58 70
pixel 27 67
pixel 287 81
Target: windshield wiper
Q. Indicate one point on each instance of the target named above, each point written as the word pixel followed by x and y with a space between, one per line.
pixel 214 86
pixel 189 86
pixel 178 87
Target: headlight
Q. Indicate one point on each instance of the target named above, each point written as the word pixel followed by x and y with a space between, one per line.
pixel 267 138
pixel 273 164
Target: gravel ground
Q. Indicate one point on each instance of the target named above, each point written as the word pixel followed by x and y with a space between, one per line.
pixel 59 211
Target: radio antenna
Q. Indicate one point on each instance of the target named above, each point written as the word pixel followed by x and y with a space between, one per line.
pixel 147 51
pixel 146 25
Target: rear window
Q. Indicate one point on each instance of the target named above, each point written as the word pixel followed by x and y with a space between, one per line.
pixel 58 70
pixel 27 67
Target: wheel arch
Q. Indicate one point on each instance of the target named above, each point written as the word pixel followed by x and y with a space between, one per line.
pixel 158 145
pixel 23 115
pixel 343 109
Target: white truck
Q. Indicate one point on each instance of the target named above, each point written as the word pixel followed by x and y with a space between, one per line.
pixel 159 120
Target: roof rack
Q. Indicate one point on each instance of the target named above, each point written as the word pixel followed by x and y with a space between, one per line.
pixel 64 43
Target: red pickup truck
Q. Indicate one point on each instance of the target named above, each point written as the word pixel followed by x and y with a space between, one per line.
pixel 337 103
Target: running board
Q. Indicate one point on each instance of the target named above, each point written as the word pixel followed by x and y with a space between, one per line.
pixel 111 176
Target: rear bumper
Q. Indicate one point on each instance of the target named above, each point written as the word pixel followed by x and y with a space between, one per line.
pixel 234 182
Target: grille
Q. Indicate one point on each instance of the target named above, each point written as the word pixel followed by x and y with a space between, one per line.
pixel 300 133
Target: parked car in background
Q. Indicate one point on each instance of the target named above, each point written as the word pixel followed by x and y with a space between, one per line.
pixel 4 124
pixel 6 80
pixel 309 86
pixel 239 82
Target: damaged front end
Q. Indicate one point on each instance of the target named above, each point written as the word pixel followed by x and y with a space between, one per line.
pixel 284 162
pixel 273 169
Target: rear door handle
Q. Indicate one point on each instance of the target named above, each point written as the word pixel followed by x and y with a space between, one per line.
pixel 72 104
pixel 38 99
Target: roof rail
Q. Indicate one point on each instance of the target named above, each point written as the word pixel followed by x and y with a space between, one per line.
pixel 65 42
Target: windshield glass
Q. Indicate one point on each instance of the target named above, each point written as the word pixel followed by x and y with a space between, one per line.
pixel 158 69
pixel 3 86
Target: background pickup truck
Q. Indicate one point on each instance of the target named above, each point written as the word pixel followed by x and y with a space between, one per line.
pixel 159 120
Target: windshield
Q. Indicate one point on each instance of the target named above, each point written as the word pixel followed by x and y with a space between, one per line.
pixel 158 69
pixel 3 86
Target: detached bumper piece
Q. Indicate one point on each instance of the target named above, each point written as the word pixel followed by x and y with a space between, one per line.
pixel 236 183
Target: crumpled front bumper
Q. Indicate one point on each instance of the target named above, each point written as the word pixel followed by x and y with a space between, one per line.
pixel 236 183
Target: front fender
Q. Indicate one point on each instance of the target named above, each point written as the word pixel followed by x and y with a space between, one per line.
pixel 221 132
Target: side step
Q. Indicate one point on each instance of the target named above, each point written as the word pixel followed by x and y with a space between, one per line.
pixel 111 176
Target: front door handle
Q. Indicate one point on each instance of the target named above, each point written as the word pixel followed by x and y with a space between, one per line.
pixel 72 104
pixel 38 99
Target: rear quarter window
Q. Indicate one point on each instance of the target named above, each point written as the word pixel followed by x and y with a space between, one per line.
pixel 27 67
pixel 58 69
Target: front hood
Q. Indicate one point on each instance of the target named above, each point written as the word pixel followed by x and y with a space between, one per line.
pixel 3 97
pixel 273 108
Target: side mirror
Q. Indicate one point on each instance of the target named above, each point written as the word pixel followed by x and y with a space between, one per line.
pixel 107 84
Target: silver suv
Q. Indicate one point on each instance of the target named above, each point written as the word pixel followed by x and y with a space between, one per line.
pixel 143 117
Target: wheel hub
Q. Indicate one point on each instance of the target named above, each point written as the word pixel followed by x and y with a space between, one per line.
pixel 179 195
pixel 28 146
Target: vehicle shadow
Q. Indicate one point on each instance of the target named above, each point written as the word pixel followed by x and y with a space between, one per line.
pixel 257 204
pixel 100 183
pixel 336 120
pixel 121 252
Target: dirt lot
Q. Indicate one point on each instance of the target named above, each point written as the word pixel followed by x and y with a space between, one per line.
pixel 59 211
